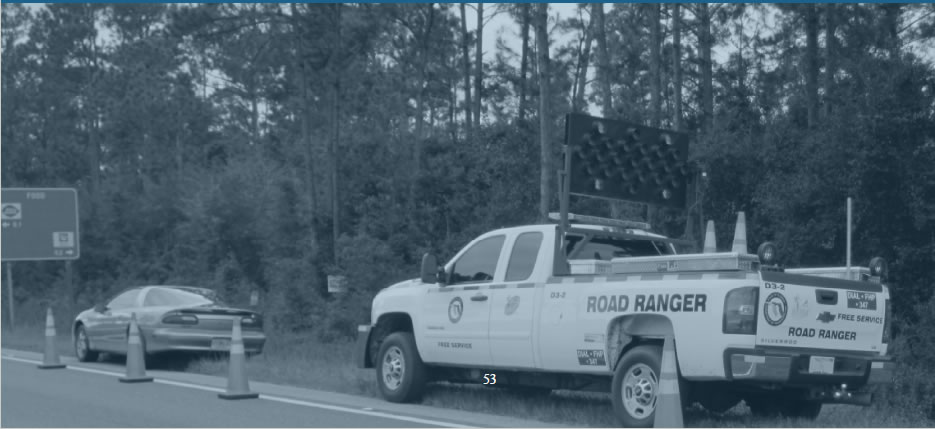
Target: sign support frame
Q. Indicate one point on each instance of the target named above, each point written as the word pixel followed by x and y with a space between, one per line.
pixel 9 286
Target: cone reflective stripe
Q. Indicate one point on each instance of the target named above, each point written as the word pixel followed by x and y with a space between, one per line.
pixel 668 398
pixel 237 385
pixel 136 362
pixel 50 358
pixel 740 235
pixel 710 242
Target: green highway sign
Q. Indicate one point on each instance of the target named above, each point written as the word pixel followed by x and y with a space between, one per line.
pixel 39 224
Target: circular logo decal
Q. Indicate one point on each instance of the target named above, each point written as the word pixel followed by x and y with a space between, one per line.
pixel 775 309
pixel 512 303
pixel 455 308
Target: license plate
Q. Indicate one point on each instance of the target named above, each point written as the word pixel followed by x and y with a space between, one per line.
pixel 821 365
pixel 220 344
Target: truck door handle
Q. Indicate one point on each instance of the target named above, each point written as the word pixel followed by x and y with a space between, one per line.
pixel 479 298
pixel 828 297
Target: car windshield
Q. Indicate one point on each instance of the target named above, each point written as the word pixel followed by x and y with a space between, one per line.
pixel 181 297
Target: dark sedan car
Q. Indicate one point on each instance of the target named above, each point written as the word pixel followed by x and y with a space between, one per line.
pixel 171 318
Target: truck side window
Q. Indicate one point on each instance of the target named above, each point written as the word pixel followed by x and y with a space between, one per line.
pixel 608 248
pixel 523 258
pixel 479 263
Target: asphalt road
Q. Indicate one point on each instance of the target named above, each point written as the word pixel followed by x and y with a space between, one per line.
pixel 70 398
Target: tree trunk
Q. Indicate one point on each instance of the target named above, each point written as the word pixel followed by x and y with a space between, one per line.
pixel 524 63
pixel 581 77
pixel 603 65
pixel 306 142
pixel 478 65
pixel 545 145
pixel 677 65
pixel 466 64
pixel 891 13
pixel 655 65
pixel 831 42
pixel 420 104
pixel 677 110
pixel 811 64
pixel 705 42
pixel 335 137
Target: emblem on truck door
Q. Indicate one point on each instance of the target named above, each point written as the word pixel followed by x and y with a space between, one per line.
pixel 775 308
pixel 455 308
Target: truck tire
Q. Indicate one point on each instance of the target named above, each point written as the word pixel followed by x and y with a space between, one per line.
pixel 636 381
pixel 773 405
pixel 401 375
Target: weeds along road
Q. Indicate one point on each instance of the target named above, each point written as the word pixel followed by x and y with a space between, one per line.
pixel 91 396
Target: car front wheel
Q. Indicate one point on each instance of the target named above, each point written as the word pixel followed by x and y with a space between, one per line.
pixel 83 346
pixel 401 375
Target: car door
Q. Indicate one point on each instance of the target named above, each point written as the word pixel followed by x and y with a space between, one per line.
pixel 512 304
pixel 111 326
pixel 456 315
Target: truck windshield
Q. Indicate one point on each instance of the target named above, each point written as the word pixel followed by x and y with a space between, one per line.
pixel 607 248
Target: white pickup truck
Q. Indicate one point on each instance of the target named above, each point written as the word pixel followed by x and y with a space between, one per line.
pixel 506 311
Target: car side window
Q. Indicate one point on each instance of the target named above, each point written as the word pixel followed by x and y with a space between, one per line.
pixel 124 300
pixel 479 263
pixel 523 258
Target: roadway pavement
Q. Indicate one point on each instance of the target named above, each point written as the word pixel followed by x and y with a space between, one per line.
pixel 89 395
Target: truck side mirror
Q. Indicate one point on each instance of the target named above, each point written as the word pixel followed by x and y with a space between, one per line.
pixel 100 307
pixel 429 268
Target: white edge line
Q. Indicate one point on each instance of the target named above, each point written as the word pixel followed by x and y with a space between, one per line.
pixel 264 396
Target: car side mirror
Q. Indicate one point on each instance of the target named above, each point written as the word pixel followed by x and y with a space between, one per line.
pixel 429 268
pixel 100 308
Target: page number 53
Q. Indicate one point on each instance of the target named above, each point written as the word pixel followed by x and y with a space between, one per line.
pixel 490 378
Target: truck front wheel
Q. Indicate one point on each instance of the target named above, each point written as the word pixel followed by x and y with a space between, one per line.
pixel 401 375
pixel 636 382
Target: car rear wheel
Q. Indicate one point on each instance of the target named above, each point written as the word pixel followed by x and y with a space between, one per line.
pixel 83 346
pixel 401 375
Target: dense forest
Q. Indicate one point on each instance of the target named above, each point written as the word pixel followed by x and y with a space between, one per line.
pixel 264 147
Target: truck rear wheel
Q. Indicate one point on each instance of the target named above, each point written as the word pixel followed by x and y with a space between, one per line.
pixel 636 382
pixel 401 375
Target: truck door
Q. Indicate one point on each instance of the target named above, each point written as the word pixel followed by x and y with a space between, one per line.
pixel 511 310
pixel 457 315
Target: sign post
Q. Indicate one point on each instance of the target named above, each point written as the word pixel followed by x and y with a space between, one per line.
pixel 39 224
pixel 9 288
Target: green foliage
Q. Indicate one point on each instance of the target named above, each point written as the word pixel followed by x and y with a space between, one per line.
pixel 203 140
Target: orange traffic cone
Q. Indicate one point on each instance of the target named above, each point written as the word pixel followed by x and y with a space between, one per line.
pixel 668 400
pixel 136 363
pixel 710 242
pixel 237 385
pixel 740 235
pixel 50 358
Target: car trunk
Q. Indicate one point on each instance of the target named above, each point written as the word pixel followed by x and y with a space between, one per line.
pixel 222 318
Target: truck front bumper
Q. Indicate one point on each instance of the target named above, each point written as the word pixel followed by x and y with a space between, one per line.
pixel 360 348
pixel 798 368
